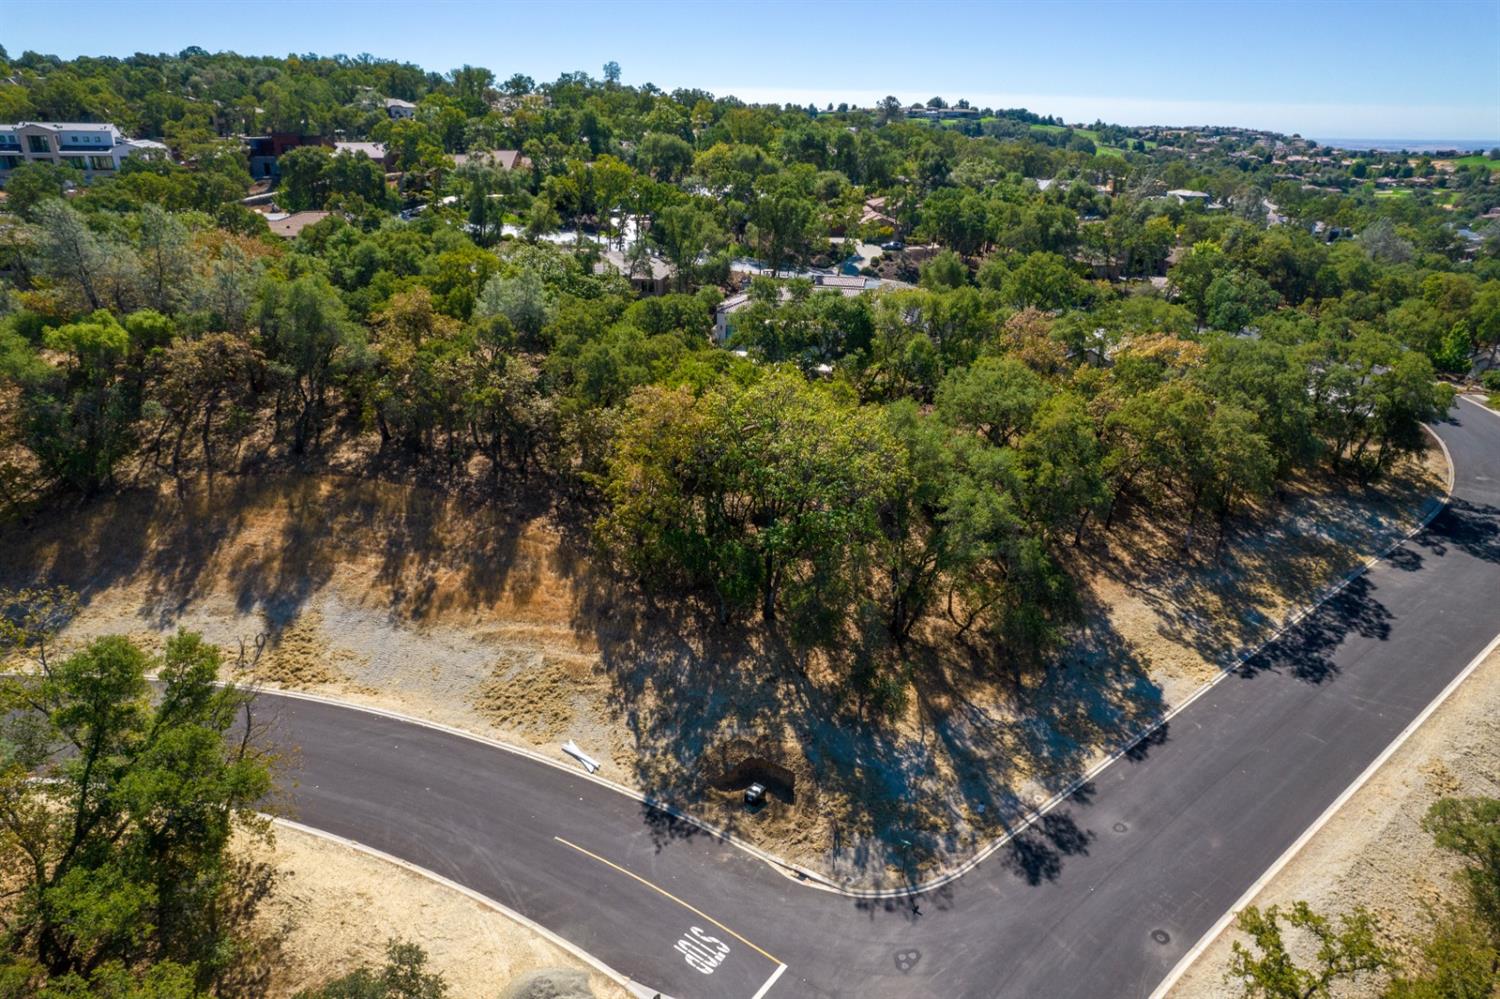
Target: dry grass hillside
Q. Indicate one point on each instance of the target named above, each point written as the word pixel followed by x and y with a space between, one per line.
pixel 490 618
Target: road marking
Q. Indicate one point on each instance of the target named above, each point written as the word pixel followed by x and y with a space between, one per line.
pixel 1471 400
pixel 1181 967
pixel 821 882
pixel 662 891
pixel 769 982
pixel 467 892
pixel 702 952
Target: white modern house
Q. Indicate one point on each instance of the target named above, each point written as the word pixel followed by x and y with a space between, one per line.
pixel 93 150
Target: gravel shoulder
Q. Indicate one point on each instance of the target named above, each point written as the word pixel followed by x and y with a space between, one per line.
pixel 1373 852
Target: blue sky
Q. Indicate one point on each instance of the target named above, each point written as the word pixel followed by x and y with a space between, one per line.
pixel 1369 69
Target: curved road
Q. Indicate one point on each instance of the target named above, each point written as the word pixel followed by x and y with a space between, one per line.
pixel 1101 899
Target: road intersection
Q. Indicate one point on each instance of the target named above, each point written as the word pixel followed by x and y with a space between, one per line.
pixel 1100 897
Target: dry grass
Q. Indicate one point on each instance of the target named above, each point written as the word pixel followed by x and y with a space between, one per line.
pixel 487 617
pixel 1188 614
pixel 338 907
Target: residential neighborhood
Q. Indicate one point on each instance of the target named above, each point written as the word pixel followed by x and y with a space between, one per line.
pixel 663 501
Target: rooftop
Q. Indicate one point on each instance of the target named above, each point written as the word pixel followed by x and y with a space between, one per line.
pixel 288 226
pixel 374 150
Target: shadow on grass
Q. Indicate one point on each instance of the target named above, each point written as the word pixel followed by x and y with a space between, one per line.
pixel 271 543
pixel 881 804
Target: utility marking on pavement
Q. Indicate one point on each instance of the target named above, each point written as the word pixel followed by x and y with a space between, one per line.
pixel 662 891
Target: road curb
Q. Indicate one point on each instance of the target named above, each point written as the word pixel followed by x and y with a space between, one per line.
pixel 1207 940
pixel 815 879
pixel 634 988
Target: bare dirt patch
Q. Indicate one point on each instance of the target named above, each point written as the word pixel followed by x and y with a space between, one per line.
pixel 486 617
pixel 338 907
pixel 1373 852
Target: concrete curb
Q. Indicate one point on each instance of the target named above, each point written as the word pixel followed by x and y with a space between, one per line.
pixel 1207 940
pixel 634 988
pixel 1214 932
pixel 822 882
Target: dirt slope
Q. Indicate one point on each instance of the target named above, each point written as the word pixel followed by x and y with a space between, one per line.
pixel 490 620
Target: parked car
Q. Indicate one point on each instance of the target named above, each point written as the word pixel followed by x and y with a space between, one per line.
pixel 755 793
pixel 893 245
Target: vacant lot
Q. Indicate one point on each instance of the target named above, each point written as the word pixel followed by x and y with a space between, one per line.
pixel 489 618
pixel 339 906
pixel 1373 852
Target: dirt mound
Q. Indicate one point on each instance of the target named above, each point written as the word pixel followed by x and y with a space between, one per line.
pixel 551 983
pixel 539 691
pixel 731 767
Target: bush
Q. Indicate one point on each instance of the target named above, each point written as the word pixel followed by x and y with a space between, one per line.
pixel 1491 380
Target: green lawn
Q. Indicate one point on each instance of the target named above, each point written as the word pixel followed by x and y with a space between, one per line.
pixel 1396 192
pixel 1089 133
pixel 1478 159
pixel 1100 147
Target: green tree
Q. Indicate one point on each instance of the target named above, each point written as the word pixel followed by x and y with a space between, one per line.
pixel 1343 953
pixel 200 378
pixel 1043 281
pixel 403 976
pixel 946 270
pixel 304 178
pixel 768 491
pixel 80 420
pixel 307 333
pixel 685 234
pixel 1459 960
pixel 30 184
pixel 995 396
pixel 121 853
pixel 1470 827
pixel 663 157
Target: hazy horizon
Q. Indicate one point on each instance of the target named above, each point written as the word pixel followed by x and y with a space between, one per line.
pixel 1315 69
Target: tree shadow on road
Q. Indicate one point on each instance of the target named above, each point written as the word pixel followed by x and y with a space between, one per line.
pixel 1470 527
pixel 1036 854
pixel 1307 650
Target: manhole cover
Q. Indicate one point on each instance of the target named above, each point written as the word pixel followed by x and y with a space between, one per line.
pixel 1121 827
pixel 1161 936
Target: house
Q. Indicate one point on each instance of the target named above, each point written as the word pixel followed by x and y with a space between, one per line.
pixel 874 211
pixel 942 114
pixel 397 108
pixel 724 310
pixel 505 159
pixel 264 151
pixel 656 282
pixel 1184 196
pixel 290 225
pixel 94 150
pixel 375 150
pixel 848 285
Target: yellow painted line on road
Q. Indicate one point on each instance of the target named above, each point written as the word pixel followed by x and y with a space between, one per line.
pixel 662 891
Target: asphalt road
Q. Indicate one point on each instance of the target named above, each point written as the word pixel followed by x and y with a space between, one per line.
pixel 1101 899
